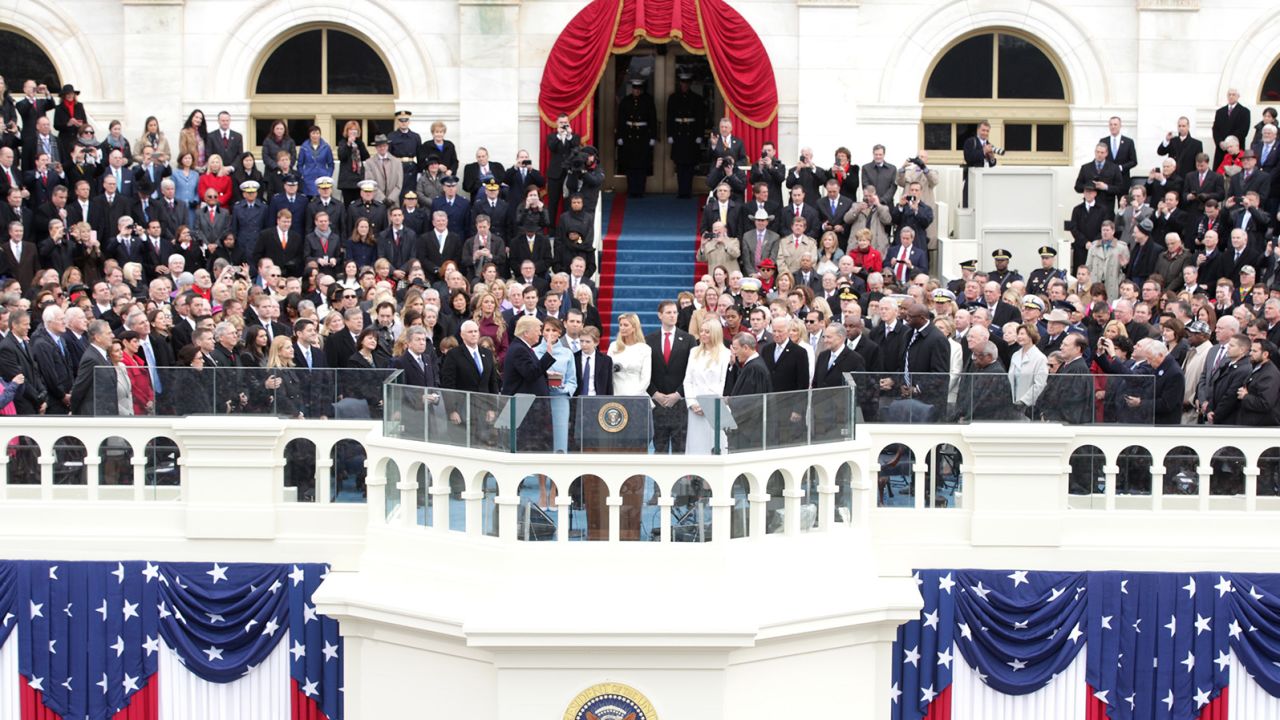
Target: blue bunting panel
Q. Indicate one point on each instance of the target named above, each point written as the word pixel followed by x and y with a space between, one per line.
pixel 1158 644
pixel 91 631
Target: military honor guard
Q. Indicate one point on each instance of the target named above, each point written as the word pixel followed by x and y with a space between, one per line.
pixel 1039 279
pixel 637 134
pixel 686 125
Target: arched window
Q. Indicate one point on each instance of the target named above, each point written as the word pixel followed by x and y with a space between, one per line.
pixel 24 60
pixel 1011 81
pixel 322 76
pixel 1270 92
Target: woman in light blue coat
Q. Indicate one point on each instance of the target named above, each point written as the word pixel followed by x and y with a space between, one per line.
pixel 552 331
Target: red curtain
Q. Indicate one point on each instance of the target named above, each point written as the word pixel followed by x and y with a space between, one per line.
pixel 738 61
pixel 143 705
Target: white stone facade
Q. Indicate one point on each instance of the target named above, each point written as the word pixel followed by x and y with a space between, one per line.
pixel 849 73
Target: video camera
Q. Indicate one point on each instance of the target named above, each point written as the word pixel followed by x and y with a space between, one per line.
pixel 582 158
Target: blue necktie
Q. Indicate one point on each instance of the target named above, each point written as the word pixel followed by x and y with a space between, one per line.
pixel 475 355
pixel 151 364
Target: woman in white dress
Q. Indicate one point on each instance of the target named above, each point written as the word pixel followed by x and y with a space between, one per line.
pixel 632 358
pixel 708 366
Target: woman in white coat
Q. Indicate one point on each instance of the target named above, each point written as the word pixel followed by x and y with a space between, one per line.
pixel 632 358
pixel 1028 368
pixel 705 376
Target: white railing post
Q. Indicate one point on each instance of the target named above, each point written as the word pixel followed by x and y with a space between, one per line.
pixel 323 480
pixel 562 504
pixel 46 475
pixel 665 504
pixel 791 511
pixel 507 517
pixel 408 488
pixel 139 476
pixel 439 506
pixel 614 502
pixel 827 506
pixel 722 517
pixel 474 504
pixel 375 485
pixel 759 514
pixel 1250 487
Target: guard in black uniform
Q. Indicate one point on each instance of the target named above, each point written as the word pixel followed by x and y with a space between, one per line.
pixel 403 144
pixel 365 207
pixel 967 269
pixel 686 125
pixel 637 134
pixel 1039 279
pixel 1002 274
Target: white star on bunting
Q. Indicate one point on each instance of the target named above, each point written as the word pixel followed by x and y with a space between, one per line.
pixel 894 694
pixel 1016 665
pixel 927 694
pixel 1019 577
pixel 944 658
pixel 297 651
pixel 214 653
pixel 913 656
pixel 331 653
pixel 297 576
pixel 945 583
pixel 931 620
pixel 217 573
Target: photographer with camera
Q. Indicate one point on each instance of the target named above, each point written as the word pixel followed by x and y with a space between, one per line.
pixel 768 169
pixel 916 170
pixel 560 145
pixel 726 171
pixel 585 177
pixel 637 135
pixel 978 153
pixel 1104 176
pixel 520 176
pixel 807 175
pixel 911 213
pixel 718 248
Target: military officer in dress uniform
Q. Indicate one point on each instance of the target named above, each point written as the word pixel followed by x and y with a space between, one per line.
pixel 366 206
pixel 324 201
pixel 637 134
pixel 248 217
pixel 967 269
pixel 686 124
pixel 1002 274
pixel 404 144
pixel 1039 279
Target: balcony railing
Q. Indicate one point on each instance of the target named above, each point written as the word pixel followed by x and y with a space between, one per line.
pixel 618 424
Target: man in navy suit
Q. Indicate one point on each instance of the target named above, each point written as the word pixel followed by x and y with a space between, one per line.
pixel 117 167
pixel 398 244
pixel 440 244
pixel 670 347
pixel 470 371
pixel 906 259
pixel 418 366
pixel 831 407
pixel 282 245
pixel 1120 149
pixel 1268 152
pixel 524 373
pixel 788 365
pixel 318 388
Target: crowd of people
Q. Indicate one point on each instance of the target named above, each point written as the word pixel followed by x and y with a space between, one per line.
pixel 122 262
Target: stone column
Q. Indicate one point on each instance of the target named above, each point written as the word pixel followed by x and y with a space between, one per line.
pixel 827 78
pixel 224 503
pixel 1019 467
pixel 488 84
pixel 151 49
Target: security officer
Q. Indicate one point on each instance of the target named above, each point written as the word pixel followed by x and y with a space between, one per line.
pixel 637 134
pixel 248 217
pixel 324 201
pixel 967 269
pixel 1039 279
pixel 403 145
pixel 686 124
pixel 366 207
pixel 1002 274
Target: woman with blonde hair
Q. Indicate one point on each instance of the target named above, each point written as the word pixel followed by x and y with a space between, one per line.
pixel 632 358
pixel 282 381
pixel 797 334
pixel 484 310
pixel 708 366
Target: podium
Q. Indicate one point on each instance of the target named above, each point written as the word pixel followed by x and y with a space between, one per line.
pixel 614 424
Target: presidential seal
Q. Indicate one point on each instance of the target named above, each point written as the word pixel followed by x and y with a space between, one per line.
pixel 610 701
pixel 612 417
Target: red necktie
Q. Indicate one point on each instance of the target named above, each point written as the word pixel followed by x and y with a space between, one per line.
pixel 666 347
pixel 211 215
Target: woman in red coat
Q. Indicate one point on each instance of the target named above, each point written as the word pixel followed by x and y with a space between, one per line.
pixel 139 376
pixel 218 180
pixel 865 257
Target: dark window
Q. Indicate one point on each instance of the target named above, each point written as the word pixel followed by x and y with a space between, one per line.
pixel 1017 137
pixel 937 136
pixel 297 128
pixel 354 68
pixel 1026 73
pixel 964 72
pixel 1271 86
pixel 294 67
pixel 24 60
pixel 1049 138
pixel 964 131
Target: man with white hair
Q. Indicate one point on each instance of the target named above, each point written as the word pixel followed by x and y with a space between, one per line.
pixel 1269 162
pixel 1231 120
pixel 53 362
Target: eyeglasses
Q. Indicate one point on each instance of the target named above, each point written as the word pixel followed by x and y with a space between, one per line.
pixel 348 297
pixel 810 322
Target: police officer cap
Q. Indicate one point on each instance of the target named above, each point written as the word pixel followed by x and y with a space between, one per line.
pixel 411 195
pixel 1033 302
pixel 750 285
pixel 403 114
pixel 1046 251
pixel 451 180
pixel 684 75
pixel 380 139
pixel 1198 327
pixel 969 265
pixel 1001 254
pixel 249 186
pixel 369 185
pixel 637 82
pixel 290 179
pixel 943 295
pixel 324 182
pixel 1064 305
pixel 491 184
pixel 847 293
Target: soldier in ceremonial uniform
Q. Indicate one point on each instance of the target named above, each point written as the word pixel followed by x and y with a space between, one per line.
pixel 324 201
pixel 404 145
pixel 1039 279
pixel 248 217
pixel 637 134
pixel 686 124
pixel 967 269
pixel 1002 274
pixel 366 207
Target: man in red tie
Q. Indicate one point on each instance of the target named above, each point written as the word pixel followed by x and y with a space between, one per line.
pixel 281 245
pixel 671 347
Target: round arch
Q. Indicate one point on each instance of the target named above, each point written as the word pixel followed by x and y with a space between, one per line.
pixel 1251 58
pixel 280 39
pixel 999 30
pixel 1063 38
pixel 242 54
pixel 76 61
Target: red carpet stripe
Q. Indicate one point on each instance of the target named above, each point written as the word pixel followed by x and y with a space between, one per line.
pixel 609 264
pixel 699 266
